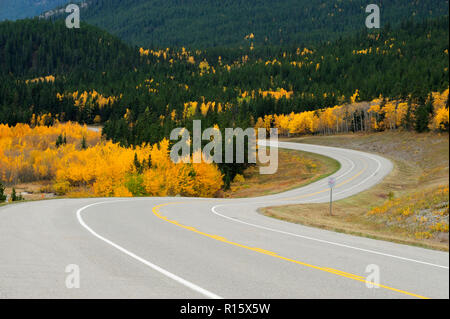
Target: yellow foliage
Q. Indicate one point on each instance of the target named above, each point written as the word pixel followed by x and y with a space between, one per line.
pixel 338 118
pixel 279 94
pixel 88 99
pixel 440 120
pixel 238 179
pixel 49 78
pixel 31 154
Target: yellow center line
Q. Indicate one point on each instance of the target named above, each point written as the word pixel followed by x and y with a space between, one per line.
pixel 157 213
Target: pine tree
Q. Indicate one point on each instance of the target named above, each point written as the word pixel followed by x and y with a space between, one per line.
pixel 83 143
pixel 422 118
pixel 137 164
pixel 59 141
pixel 408 121
pixel 15 197
pixel 2 193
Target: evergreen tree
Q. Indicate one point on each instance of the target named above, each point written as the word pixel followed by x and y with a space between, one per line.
pixel 15 197
pixel 83 143
pixel 422 118
pixel 2 193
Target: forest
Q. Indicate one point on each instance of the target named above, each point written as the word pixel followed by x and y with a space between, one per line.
pixel 50 74
pixel 19 9
pixel 78 163
pixel 158 83
pixel 204 24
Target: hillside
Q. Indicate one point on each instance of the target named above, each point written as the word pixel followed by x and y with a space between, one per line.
pixel 35 48
pixel 39 59
pixel 19 9
pixel 269 80
pixel 409 206
pixel 49 73
pixel 208 23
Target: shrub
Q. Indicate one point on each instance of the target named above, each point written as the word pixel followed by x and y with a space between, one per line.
pixel 239 178
pixel 2 193
pixel 15 197
pixel 61 188
pixel 135 184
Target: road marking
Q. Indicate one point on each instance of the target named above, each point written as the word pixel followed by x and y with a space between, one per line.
pixel 255 249
pixel 327 189
pixel 214 210
pixel 166 273
pixel 320 181
pixel 157 213
pixel 344 182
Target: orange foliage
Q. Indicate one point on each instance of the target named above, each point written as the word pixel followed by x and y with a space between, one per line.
pixel 89 98
pixel 102 169
pixel 49 78
pixel 367 116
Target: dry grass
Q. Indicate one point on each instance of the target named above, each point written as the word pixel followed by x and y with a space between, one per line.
pixel 295 169
pixel 33 191
pixel 420 167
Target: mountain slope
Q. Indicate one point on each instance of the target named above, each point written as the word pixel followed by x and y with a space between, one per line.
pixel 33 48
pixel 19 9
pixel 207 23
pixel 393 62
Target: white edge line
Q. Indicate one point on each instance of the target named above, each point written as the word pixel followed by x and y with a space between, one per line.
pixel 324 241
pixel 166 273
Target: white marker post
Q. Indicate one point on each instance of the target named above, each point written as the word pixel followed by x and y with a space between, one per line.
pixel 331 183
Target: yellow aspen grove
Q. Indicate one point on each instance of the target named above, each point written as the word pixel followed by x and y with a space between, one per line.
pixel 49 78
pixel 89 99
pixel 440 120
pixel 102 168
pixel 371 116
pixel 278 94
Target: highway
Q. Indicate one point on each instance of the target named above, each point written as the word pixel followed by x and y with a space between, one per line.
pixel 210 248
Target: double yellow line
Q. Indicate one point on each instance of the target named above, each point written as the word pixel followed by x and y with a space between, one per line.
pixel 156 212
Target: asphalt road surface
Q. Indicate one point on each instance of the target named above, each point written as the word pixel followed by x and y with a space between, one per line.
pixel 210 248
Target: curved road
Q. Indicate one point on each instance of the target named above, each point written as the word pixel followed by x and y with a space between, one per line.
pixel 210 248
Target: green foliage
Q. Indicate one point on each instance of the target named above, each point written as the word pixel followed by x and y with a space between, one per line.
pixel 135 184
pixel 137 164
pixel 15 197
pixel 19 9
pixel 79 58
pixel 210 23
pixel 61 140
pixel 88 59
pixel 424 112
pixel 408 59
pixel 83 143
pixel 2 193
pixel 35 47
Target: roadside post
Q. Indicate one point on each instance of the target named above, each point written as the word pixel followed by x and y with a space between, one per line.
pixel 331 183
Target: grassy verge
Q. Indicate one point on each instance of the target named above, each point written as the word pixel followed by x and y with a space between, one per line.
pixel 295 169
pixel 410 206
